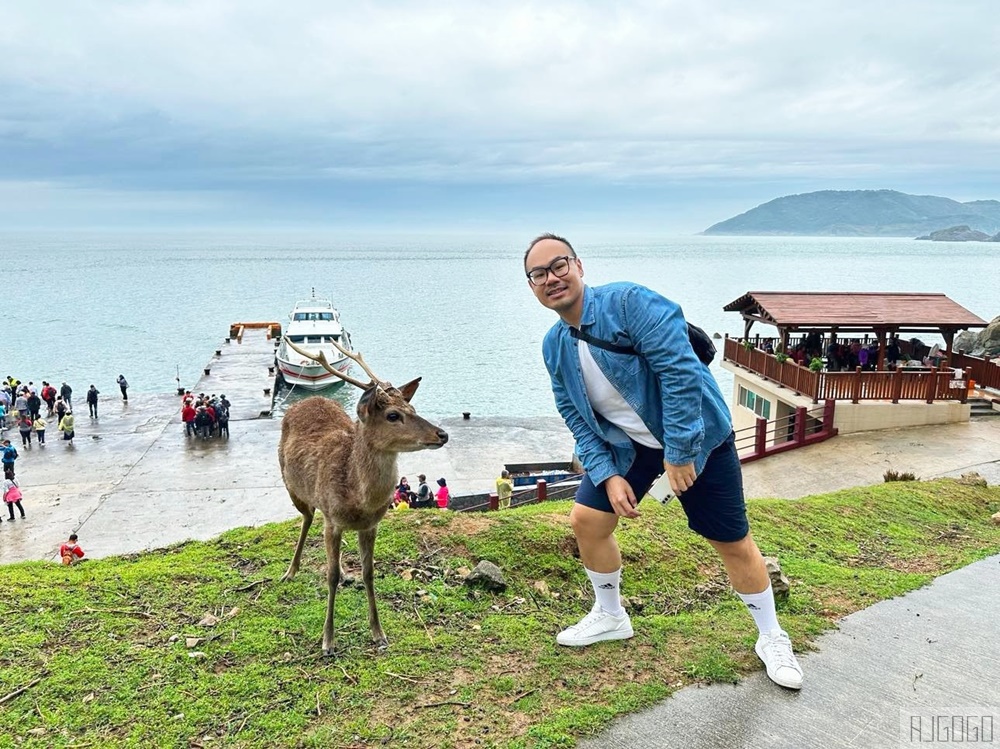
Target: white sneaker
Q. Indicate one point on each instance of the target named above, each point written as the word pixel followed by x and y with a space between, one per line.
pixel 775 649
pixel 596 626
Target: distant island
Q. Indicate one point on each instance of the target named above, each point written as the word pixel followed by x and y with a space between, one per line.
pixel 863 213
pixel 961 233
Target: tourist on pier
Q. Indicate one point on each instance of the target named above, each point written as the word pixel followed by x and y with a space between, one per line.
pixel 34 404
pixel 66 426
pixel 443 494
pixel 24 427
pixel 222 420
pixel 7 457
pixel 505 489
pixel 635 416
pixel 188 416
pixel 66 392
pixel 12 496
pixel 123 384
pixel 39 425
pixel 70 552
pixel 3 416
pixel 20 405
pixel 61 409
pixel 49 396
pixel 92 394
pixel 203 422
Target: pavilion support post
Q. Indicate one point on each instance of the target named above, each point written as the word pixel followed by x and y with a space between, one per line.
pixel 897 384
pixel 881 349
pixel 932 384
pixel 856 386
pixel 747 324
pixel 949 340
pixel 783 332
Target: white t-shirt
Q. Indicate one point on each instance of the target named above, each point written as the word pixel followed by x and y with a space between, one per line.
pixel 608 402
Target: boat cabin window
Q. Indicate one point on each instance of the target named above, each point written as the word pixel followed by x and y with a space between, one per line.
pixel 305 316
pixel 312 338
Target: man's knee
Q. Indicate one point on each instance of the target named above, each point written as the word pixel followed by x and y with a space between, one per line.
pixel 591 524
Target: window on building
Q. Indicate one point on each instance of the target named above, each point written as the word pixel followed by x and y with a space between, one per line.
pixel 756 403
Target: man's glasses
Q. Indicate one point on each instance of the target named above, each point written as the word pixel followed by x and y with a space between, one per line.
pixel 558 268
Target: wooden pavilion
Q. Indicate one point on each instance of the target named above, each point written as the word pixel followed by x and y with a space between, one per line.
pixel 833 313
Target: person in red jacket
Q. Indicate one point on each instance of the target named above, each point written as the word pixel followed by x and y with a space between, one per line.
pixel 70 551
pixel 187 416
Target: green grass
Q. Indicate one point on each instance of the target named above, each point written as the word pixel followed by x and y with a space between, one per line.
pixel 464 668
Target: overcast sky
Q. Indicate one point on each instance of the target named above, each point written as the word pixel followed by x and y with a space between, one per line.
pixel 662 116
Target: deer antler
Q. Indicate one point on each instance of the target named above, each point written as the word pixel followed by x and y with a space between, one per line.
pixel 357 357
pixel 320 358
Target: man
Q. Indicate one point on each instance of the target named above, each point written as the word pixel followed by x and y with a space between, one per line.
pixel 123 384
pixel 633 418
pixel 92 394
pixel 66 393
pixel 505 488
pixel 423 492
pixel 9 455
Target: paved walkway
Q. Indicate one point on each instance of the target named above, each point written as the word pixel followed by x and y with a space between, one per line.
pixel 875 682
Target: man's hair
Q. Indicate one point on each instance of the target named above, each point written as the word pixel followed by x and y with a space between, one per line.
pixel 542 237
pixel 72 537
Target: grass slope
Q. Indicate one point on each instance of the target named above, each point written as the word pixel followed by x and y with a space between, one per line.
pixel 464 668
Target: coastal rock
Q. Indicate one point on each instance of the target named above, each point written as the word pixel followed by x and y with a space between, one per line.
pixel 995 518
pixel 779 582
pixel 487 575
pixel 984 343
pixel 972 479
pixel 962 233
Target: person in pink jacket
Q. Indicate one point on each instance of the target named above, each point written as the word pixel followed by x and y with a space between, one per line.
pixel 442 494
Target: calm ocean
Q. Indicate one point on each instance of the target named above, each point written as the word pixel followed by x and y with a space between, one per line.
pixel 454 310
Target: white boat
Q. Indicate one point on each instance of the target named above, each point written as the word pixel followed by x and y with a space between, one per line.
pixel 313 325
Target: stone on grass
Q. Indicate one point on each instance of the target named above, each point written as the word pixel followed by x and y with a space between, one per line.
pixel 996 518
pixel 209 620
pixel 779 583
pixel 487 575
pixel 972 479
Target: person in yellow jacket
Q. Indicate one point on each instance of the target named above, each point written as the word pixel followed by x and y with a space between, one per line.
pixel 39 426
pixel 66 426
pixel 505 488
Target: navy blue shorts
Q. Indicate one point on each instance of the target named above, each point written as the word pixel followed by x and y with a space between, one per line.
pixel 714 504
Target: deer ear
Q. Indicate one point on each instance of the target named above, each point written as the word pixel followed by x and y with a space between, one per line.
pixel 367 402
pixel 409 389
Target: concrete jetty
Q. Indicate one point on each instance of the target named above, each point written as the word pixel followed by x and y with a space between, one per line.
pixel 134 481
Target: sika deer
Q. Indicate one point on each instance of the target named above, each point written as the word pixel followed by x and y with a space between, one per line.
pixel 347 471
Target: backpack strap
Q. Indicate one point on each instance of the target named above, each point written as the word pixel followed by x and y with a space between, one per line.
pixel 701 343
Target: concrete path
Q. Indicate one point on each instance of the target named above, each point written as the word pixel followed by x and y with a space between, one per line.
pixel 876 682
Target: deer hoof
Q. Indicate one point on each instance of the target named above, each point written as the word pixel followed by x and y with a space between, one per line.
pixel 328 652
pixel 381 644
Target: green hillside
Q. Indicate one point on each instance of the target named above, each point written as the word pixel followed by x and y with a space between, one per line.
pixel 101 648
pixel 861 213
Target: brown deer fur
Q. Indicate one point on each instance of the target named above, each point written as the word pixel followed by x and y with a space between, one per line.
pixel 347 471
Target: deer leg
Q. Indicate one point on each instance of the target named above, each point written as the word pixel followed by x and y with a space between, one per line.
pixel 307 517
pixel 366 543
pixel 332 537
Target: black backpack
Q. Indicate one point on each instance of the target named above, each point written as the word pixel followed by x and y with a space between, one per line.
pixel 702 344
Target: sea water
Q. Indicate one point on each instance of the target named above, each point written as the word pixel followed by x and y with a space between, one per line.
pixel 454 310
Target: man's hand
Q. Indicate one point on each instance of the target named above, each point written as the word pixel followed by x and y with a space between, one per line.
pixel 681 477
pixel 622 497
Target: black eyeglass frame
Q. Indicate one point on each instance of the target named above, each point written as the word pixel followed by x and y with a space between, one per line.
pixel 549 269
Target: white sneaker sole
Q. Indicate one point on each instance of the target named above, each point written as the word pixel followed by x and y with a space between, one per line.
pixel 618 634
pixel 774 678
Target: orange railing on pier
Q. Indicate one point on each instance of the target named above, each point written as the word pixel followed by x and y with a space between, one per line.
pixel 237 329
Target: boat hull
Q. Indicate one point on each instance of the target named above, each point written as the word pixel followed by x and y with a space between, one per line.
pixel 311 376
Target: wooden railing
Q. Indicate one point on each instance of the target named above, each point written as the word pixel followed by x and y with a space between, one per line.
pixel 983 371
pixel 859 385
pixel 799 429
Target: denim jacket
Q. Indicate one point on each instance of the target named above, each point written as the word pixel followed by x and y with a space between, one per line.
pixel 673 393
